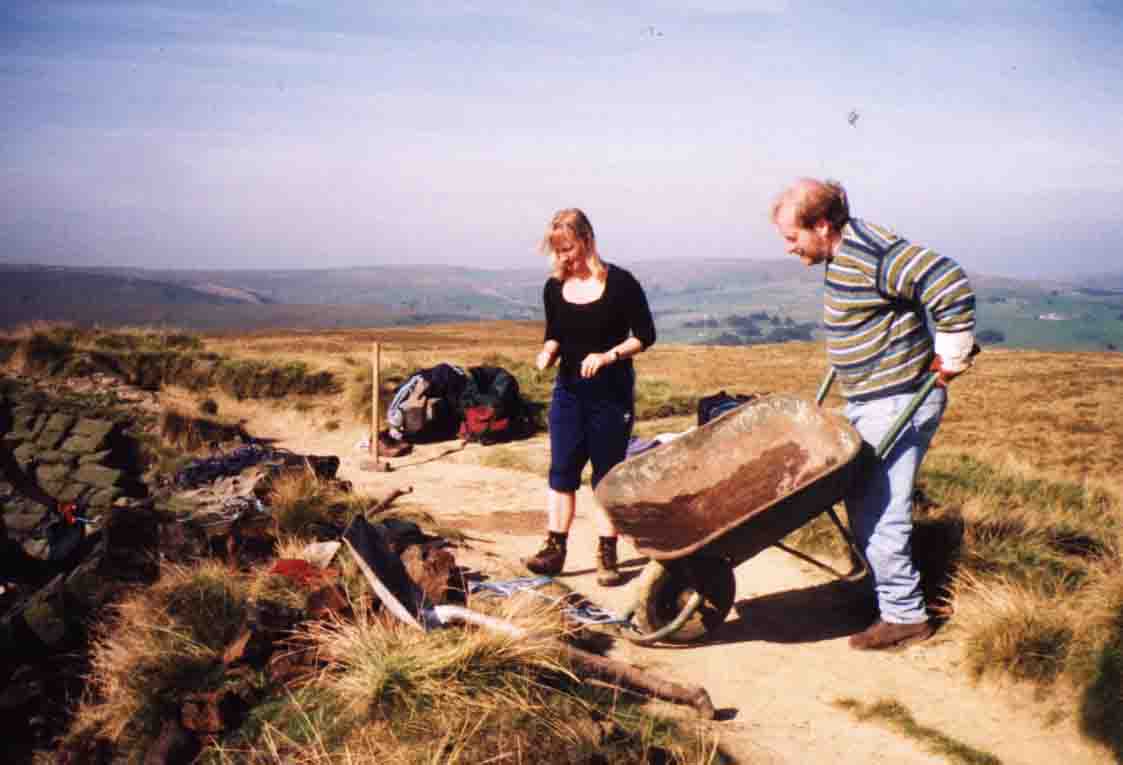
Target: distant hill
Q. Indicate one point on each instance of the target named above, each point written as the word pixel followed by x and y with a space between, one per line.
pixel 708 301
pixel 112 297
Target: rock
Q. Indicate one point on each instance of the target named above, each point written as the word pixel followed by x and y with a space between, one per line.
pixel 213 712
pixel 55 431
pixel 25 425
pixel 90 428
pixel 326 602
pixel 56 457
pixel 132 540
pixel 98 751
pixel 252 646
pixel 292 665
pixel 277 618
pixel 25 455
pixel 82 444
pixel 94 457
pixel 434 570
pixel 25 686
pixel 101 499
pixel 87 589
pixel 175 746
pixel 99 476
pixel 73 492
pixel 53 478
pixel 182 542
pixel 59 422
pixel 45 614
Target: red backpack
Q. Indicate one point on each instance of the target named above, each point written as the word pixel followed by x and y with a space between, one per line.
pixel 482 423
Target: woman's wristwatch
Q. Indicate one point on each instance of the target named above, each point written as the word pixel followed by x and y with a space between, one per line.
pixel 615 355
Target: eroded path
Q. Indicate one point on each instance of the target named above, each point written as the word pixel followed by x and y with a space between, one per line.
pixel 780 663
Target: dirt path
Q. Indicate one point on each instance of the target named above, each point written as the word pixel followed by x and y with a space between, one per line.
pixel 780 662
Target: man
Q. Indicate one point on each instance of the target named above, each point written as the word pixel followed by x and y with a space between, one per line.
pixel 877 288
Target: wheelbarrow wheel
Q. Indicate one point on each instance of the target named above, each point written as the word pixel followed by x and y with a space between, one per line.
pixel 665 594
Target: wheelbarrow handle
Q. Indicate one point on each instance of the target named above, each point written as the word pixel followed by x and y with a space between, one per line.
pixel 825 386
pixel 902 419
pixel 914 404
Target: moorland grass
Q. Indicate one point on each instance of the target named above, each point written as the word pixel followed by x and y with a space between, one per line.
pixel 383 690
pixel 157 645
pixel 153 359
pixel 1021 492
pixel 488 696
pixel 895 714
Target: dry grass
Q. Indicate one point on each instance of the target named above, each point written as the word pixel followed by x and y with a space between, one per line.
pixel 298 500
pixel 488 697
pixel 158 644
pixel 384 688
pixel 1054 412
pixel 1020 538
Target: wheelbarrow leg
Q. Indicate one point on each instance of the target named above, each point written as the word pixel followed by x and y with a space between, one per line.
pixel 859 567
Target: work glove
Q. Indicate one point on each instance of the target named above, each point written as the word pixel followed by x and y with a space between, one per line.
pixel 954 354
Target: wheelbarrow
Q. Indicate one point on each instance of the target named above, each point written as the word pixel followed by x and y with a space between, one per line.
pixel 713 498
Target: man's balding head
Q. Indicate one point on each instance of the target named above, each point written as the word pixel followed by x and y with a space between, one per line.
pixel 811 201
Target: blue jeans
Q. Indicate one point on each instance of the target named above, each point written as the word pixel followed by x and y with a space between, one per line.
pixel 880 502
pixel 590 419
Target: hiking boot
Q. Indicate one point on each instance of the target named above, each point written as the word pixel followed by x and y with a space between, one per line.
pixel 881 635
pixel 388 446
pixel 608 575
pixel 550 559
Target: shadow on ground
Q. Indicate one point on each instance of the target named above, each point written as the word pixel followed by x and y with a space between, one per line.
pixel 806 615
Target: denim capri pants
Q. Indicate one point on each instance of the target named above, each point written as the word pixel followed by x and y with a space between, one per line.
pixel 590 419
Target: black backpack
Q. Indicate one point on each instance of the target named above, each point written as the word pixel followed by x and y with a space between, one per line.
pixel 425 407
pixel 710 407
pixel 491 407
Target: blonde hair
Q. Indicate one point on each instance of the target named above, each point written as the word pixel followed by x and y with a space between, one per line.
pixel 814 200
pixel 577 223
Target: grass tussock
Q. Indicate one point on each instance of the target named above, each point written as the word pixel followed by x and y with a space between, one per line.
pixel 299 501
pixel 157 645
pixel 384 692
pixel 897 716
pixel 1006 629
pixel 1025 567
pixel 389 694
pixel 189 432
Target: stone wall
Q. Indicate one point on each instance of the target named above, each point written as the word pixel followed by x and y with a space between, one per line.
pixel 68 454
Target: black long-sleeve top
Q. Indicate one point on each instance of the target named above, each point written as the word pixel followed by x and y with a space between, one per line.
pixel 596 327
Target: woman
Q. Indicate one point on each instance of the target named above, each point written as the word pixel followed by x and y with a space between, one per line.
pixel 597 319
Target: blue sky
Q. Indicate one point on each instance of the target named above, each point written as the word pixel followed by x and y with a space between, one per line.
pixel 315 134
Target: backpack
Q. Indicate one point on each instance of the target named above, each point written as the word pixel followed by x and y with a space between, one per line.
pixel 718 404
pixel 492 409
pixel 424 406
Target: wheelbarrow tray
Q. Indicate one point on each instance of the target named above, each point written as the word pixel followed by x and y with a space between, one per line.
pixel 736 485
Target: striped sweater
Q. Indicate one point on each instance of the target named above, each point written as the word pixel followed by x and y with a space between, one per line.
pixel 877 286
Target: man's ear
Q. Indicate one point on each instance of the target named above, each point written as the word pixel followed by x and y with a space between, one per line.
pixel 822 227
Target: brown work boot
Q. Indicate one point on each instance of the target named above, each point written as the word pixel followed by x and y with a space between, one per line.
pixel 608 575
pixel 550 559
pixel 881 635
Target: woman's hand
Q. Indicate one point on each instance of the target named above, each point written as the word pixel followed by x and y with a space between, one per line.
pixel 594 361
pixel 545 359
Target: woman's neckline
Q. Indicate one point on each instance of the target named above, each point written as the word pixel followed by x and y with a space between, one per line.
pixel 599 295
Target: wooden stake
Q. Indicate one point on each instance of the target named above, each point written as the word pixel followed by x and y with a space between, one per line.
pixel 376 367
pixel 375 464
